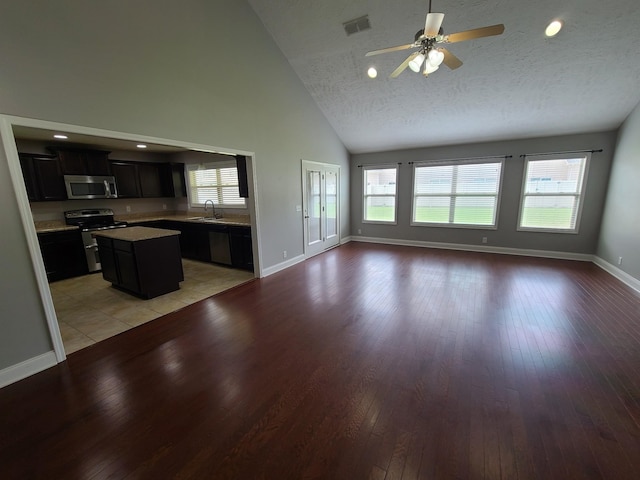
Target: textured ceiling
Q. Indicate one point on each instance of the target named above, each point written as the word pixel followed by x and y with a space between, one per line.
pixel 517 85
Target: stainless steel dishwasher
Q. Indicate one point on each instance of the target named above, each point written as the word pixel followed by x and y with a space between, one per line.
pixel 219 247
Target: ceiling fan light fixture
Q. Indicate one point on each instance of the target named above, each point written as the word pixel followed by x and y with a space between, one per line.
pixel 372 72
pixel 416 63
pixel 429 68
pixel 553 28
pixel 435 57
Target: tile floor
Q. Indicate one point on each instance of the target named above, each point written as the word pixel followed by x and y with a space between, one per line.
pixel 90 310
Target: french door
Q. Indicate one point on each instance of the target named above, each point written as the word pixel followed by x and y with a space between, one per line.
pixel 321 201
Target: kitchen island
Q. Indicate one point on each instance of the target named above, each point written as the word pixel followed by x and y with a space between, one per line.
pixel 143 261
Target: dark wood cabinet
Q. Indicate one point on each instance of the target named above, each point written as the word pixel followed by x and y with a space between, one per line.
pixel 63 254
pixel 194 242
pixel 243 181
pixel 50 179
pixel 153 179
pixel 241 247
pixel 148 179
pixel 29 175
pixel 198 242
pixel 127 181
pixel 83 162
pixel 145 267
pixel 176 185
pixel 42 177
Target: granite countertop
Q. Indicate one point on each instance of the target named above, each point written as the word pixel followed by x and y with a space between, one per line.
pixel 141 218
pixel 135 234
pixel 189 217
pixel 53 226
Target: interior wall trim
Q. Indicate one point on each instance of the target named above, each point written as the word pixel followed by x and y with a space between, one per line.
pixel 27 368
pixel 621 275
pixel 582 257
pixel 282 265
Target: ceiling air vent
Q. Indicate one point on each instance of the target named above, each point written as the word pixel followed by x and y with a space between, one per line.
pixel 357 25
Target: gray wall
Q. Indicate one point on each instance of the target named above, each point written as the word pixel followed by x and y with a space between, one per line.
pixel 23 332
pixel 194 71
pixel 620 233
pixel 506 235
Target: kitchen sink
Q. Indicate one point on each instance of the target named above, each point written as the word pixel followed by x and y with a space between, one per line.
pixel 205 219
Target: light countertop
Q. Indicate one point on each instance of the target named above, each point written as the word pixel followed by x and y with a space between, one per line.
pixel 135 234
pixel 141 218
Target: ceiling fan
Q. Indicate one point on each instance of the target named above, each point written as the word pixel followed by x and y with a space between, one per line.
pixel 425 41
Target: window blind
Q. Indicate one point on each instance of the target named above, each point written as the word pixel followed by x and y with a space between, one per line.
pixel 552 193
pixel 456 193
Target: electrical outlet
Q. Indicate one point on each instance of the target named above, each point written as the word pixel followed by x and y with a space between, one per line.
pixel 619 260
pixel 359 231
pixel 164 206
pixel 484 239
pixel 128 207
pixel 284 254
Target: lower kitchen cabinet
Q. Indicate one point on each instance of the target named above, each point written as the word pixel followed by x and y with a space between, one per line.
pixel 212 242
pixel 63 254
pixel 140 260
pixel 241 247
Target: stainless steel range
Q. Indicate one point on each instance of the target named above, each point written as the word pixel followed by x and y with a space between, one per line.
pixel 89 221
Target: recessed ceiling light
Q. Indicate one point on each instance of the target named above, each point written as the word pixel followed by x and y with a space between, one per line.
pixel 372 72
pixel 141 145
pixel 553 28
pixel 60 136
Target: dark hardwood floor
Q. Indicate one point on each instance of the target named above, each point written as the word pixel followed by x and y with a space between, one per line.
pixel 367 361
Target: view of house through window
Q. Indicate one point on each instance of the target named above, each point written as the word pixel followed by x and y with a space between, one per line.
pixel 456 193
pixel 552 193
pixel 380 192
pixel 217 182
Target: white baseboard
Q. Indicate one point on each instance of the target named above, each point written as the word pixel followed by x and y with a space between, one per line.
pixel 29 367
pixel 345 240
pixel 624 277
pixel 281 266
pixel 478 248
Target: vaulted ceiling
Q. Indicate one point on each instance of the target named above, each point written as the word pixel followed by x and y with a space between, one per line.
pixel 516 85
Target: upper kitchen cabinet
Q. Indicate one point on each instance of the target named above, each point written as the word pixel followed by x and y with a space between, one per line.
pixel 148 179
pixel 83 162
pixel 127 181
pixel 176 185
pixel 153 179
pixel 43 177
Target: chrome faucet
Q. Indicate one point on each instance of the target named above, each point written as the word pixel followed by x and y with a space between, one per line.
pixel 213 209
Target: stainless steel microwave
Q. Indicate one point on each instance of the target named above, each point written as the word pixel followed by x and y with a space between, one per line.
pixel 81 187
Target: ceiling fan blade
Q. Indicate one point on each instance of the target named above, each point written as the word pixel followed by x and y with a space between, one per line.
pixel 433 24
pixel 475 33
pixel 403 65
pixel 450 60
pixel 390 49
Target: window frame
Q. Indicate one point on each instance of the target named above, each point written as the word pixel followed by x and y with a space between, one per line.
pixel 213 166
pixel 444 163
pixel 580 194
pixel 366 168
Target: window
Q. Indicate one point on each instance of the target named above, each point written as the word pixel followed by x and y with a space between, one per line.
pixel 456 194
pixel 552 193
pixel 217 182
pixel 380 192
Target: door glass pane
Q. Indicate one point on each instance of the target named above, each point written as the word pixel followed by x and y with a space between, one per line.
pixel 331 197
pixel 313 202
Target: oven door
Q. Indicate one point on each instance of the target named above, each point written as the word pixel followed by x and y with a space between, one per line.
pixel 91 252
pixel 81 187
